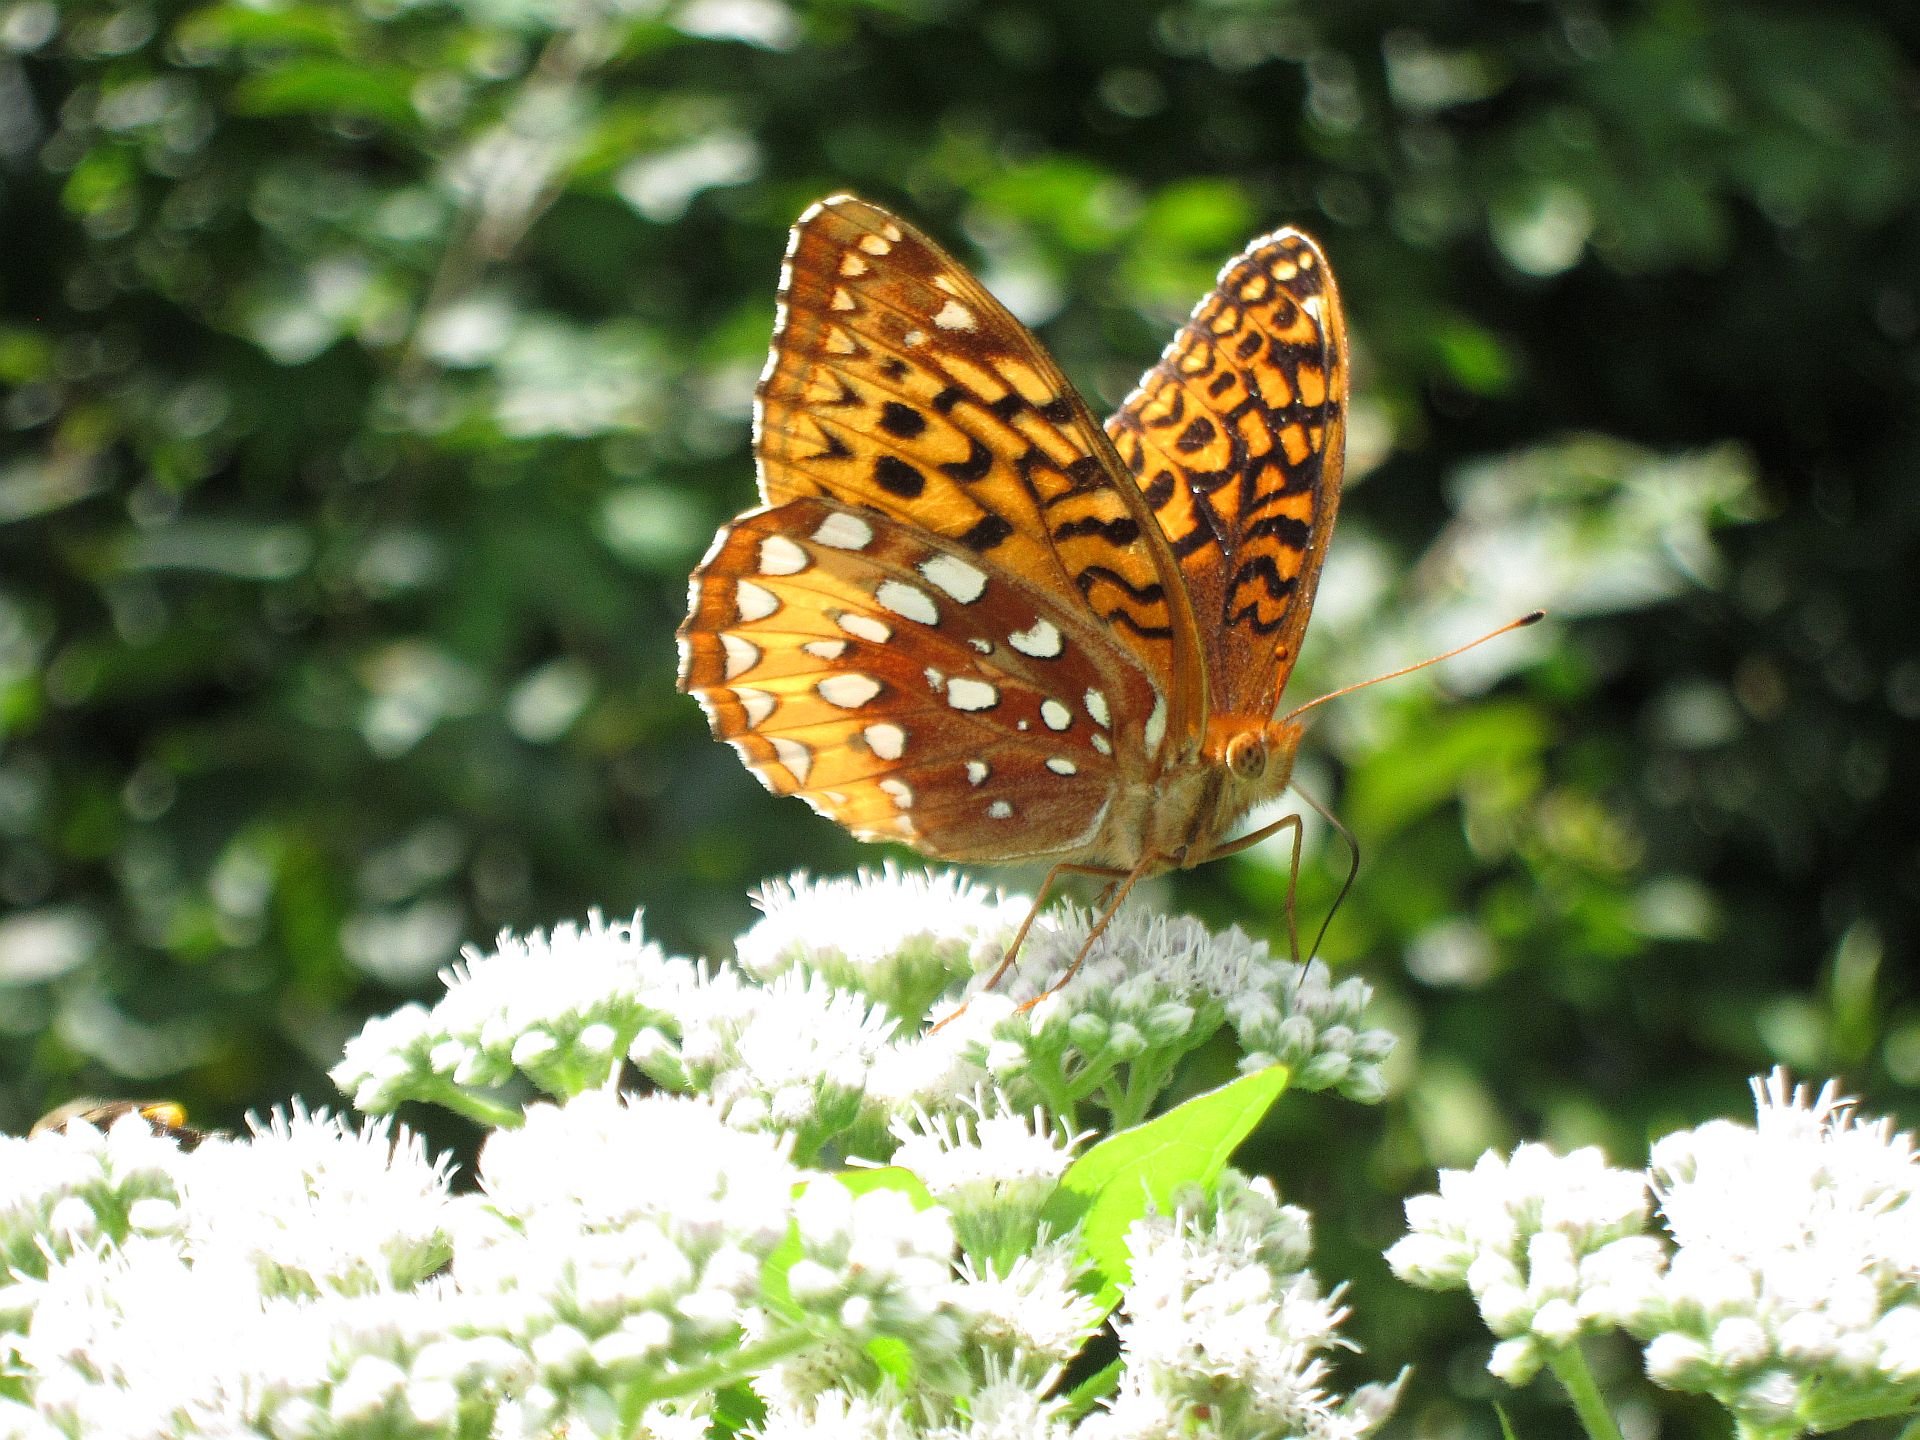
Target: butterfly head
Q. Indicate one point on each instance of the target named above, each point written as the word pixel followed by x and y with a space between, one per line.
pixel 1256 754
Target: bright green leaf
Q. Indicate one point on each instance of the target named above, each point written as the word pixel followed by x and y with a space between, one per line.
pixel 1125 1175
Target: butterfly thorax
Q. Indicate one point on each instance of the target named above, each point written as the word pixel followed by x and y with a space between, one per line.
pixel 1181 816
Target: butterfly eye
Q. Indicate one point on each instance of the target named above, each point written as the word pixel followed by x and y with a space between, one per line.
pixel 1247 754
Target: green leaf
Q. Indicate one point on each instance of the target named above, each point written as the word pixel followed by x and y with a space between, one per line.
pixel 1097 1386
pixel 888 1177
pixel 1116 1182
pixel 329 89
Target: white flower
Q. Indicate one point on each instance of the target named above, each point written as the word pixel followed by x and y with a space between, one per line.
pixel 619 1236
pixel 1011 1406
pixel 1220 1328
pixel 898 937
pixel 992 1168
pixel 1550 1246
pixel 1796 1266
pixel 81 1185
pixel 1031 1316
pixel 874 1265
pixel 560 1007
pixel 792 1057
pixel 312 1204
pixel 1156 986
pixel 835 1415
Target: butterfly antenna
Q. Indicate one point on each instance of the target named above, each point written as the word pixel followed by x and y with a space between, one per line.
pixel 1353 867
pixel 1521 623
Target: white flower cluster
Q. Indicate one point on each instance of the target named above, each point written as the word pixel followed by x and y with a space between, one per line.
pixel 1223 1331
pixel 1793 1292
pixel 665 1266
pixel 561 1008
pixel 818 1032
pixel 900 938
pixel 1787 1288
pixel 1154 987
pixel 1551 1247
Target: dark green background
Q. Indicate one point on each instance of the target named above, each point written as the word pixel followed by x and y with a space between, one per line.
pixel 374 374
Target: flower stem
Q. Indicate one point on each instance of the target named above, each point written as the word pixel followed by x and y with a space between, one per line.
pixel 745 1361
pixel 476 1107
pixel 1569 1364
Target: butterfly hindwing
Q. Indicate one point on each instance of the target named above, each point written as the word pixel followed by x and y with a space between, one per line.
pixel 897 383
pixel 1236 439
pixel 909 691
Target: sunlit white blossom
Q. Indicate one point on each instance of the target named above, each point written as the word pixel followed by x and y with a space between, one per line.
pixel 899 937
pixel 1221 1327
pixel 82 1185
pixel 1793 1294
pixel 313 1204
pixel 835 1415
pixel 792 1057
pixel 560 1007
pixel 1550 1246
pixel 1154 987
pixel 993 1169
pixel 1030 1315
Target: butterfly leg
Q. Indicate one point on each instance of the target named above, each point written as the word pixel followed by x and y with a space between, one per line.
pixel 1116 896
pixel 1247 842
pixel 1065 867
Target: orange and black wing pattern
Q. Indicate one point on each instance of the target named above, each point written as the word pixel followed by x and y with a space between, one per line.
pixel 1236 438
pixel 897 383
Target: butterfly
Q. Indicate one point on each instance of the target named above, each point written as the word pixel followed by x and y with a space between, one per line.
pixel 968 617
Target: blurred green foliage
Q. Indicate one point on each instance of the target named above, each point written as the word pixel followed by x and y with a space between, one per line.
pixel 373 374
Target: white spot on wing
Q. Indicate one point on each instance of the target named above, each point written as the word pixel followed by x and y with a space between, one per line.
pixel 742 655
pixel 757 703
pixel 977 770
pixel 825 649
pixel 907 602
pixel 852 265
pixel 955 576
pixel 966 694
pixel 954 316
pixel 1056 715
pixel 985 647
pixel 1102 744
pixel 936 681
pixel 1156 725
pixel 875 244
pixel 844 532
pixel 1000 810
pixel 901 792
pixel 780 556
pixel 849 691
pixel 913 338
pixel 1060 765
pixel 754 602
pixel 840 299
pixel 796 757
pixel 1042 642
pixel 886 741
pixel 944 283
pixel 1097 708
pixel 866 628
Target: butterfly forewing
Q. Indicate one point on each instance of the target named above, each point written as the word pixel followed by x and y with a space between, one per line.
pixel 1235 438
pixel 910 691
pixel 897 383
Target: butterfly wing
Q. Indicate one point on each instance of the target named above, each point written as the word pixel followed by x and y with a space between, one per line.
pixel 898 385
pixel 1236 439
pixel 907 687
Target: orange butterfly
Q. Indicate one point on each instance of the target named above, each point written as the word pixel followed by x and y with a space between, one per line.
pixel 968 618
